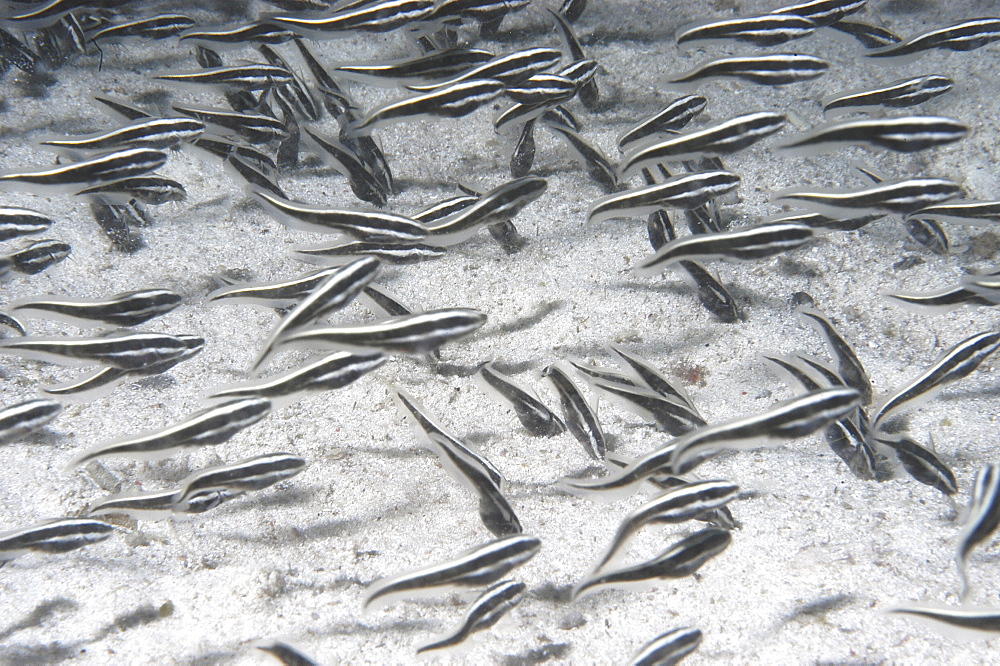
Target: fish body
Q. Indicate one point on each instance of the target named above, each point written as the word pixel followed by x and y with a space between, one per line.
pixel 778 69
pixel 128 351
pixel 499 204
pixel 898 94
pixel 686 191
pixel 823 12
pixel 982 520
pixel 60 535
pixel 668 648
pixel 130 308
pixel 531 412
pixel 966 36
pixel 899 197
pixel 671 118
pixel 433 67
pixel 483 613
pixel 378 16
pixel 152 190
pixel 24 418
pixel 765 30
pixel 16 222
pixel 906 134
pixel 251 77
pixel 244 476
pixel 71 177
pixel 451 101
pixel 580 418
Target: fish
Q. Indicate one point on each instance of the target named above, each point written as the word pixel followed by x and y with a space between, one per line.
pixel 499 204
pixel 776 69
pixel 921 463
pixel 128 351
pixel 982 520
pixel 929 234
pixel 823 12
pixel 524 151
pixel 451 101
pixel 106 378
pixel 130 308
pixel 849 366
pixel 650 377
pixel 956 363
pixel 433 67
pixel 59 535
pixel 69 178
pixel 680 560
pixel 580 418
pixel 900 197
pixel 420 333
pixel 243 476
pixel 18 421
pixel 153 505
pixel 598 166
pixel 256 32
pixel 962 212
pixel 712 294
pixel 335 292
pixel 396 254
pixel 898 94
pixel 904 134
pixel 945 300
pixel 252 77
pixel 373 226
pixel 152 190
pixel 765 30
pixel 668 648
pixel 721 139
pixel 479 566
pixel 689 190
pixel 464 464
pixel 364 182
pixel 333 371
pixel 668 414
pixel 254 127
pixel 282 294
pixel 38 256
pixel 508 68
pixel 671 118
pixel 870 36
pixel 498 600
pixel 536 418
pixel 16 222
pixel 979 620
pixel 965 36
pixel 10 321
pixel 789 419
pixel 675 506
pixel 211 426
pixel 288 655
pixel 149 27
pixel 378 16
pixel 746 244
pixel 155 133
pixel 588 91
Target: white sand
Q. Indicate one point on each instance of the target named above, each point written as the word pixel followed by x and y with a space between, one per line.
pixel 820 555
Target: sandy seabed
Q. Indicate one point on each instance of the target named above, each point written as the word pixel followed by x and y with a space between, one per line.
pixel 819 555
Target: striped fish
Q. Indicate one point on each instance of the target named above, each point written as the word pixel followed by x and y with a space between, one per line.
pixel 59 535
pixel 371 226
pixel 480 566
pixel 378 16
pixel 785 420
pixel 675 506
pixel 766 30
pixel 499 204
pixel 966 36
pixel 408 334
pixel 18 421
pixel 979 620
pixel 537 419
pixel 153 505
pixel 254 127
pixel 722 139
pixel 671 118
pixel 680 560
pixel 956 363
pixel 712 294
pixel 901 196
pixel 921 463
pixel 289 655
pixel 71 177
pixel 467 466
pixel 668 648
pixel 432 67
pixel 331 372
pixel 898 94
pixel 746 244
pixel 38 256
pixel 396 254
pixel 982 520
pixel 650 377
pixel 509 68
pixel 945 300
pixel 211 426
pixel 823 12
pixel 689 190
pixel 773 70
pixel 252 77
pixel 580 418
pixel 128 351
pixel 150 27
pixel 962 212
pixel 451 101
pixel 334 293
pixel 667 413
pixel 849 366
pixel 129 308
pixel 272 294
pixel 870 36
pixel 905 134
pixel 483 613
pixel 244 476
pixel 16 222
pixel 598 166
pixel 257 32
pixel 152 190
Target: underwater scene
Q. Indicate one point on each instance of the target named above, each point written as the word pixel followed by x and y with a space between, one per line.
pixel 499 332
